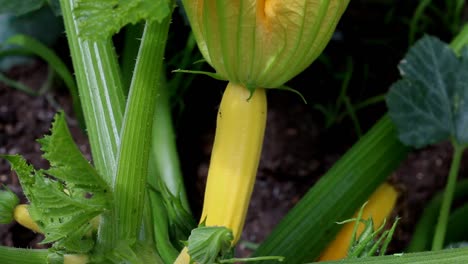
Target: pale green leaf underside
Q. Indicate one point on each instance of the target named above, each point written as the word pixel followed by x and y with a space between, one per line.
pixel 430 103
pixel 102 19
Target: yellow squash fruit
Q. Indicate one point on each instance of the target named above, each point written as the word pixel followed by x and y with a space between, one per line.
pixel 21 215
pixel 75 259
pixel 234 159
pixel 183 258
pixel 379 207
pixel 262 43
pixel 254 44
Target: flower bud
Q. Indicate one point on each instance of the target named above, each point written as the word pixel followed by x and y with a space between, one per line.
pixel 262 43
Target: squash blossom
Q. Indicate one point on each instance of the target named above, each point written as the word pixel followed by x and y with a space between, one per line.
pixel 254 45
pixel 262 43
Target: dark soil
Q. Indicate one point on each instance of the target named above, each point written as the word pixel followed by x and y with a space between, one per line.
pixel 295 155
pixel 23 119
pixel 298 148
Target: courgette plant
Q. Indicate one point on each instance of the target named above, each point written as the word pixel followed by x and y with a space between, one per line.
pixel 129 205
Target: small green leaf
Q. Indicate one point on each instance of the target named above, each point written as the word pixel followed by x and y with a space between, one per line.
pixel 67 162
pixel 63 206
pixel 208 244
pixel 102 19
pixel 430 103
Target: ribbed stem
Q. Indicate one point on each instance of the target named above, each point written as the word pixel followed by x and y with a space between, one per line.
pixel 449 256
pixel 310 225
pixel 130 182
pixel 99 85
pixel 9 255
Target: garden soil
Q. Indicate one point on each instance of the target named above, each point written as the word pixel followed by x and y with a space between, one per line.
pixel 300 143
pixel 297 151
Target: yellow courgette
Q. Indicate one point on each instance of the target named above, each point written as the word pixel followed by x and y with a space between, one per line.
pixel 21 215
pixel 379 207
pixel 235 157
pixel 234 160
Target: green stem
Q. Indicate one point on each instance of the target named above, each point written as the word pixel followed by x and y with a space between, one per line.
pixel 448 256
pixel 241 260
pixel 161 226
pixel 17 85
pixel 418 13
pixel 10 255
pixel 460 40
pixel 424 230
pixel 100 89
pixel 441 227
pixel 164 157
pixel 130 182
pixel 352 114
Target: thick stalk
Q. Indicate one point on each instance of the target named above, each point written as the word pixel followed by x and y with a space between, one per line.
pixel 441 227
pixel 130 182
pixel 310 225
pixel 460 40
pixel 100 89
pixel 449 256
pixel 9 255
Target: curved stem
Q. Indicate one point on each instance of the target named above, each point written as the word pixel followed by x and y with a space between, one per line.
pixel 130 181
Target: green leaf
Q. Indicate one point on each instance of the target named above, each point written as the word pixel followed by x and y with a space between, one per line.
pixel 20 7
pixel 63 206
pixel 102 19
pixel 8 202
pixel 125 253
pixel 430 103
pixel 207 244
pixel 67 162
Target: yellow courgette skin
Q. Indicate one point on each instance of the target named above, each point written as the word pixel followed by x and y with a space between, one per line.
pixel 21 215
pixel 234 160
pixel 183 257
pixel 379 207
pixel 75 259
